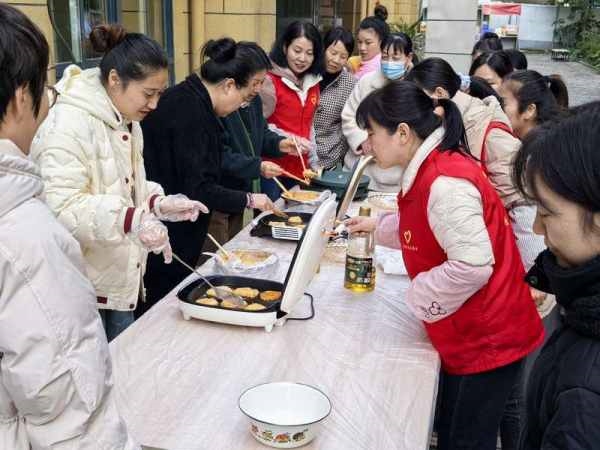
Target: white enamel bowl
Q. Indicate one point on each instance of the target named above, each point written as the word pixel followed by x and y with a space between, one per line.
pixel 283 414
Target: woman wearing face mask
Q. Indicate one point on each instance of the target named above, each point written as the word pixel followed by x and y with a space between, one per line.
pixel 90 152
pixel 336 86
pixel 558 167
pixel 184 149
pixel 372 31
pixel 458 247
pixel 492 67
pixel 290 96
pixel 396 60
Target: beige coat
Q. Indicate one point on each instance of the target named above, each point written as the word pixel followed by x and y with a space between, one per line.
pixel 93 172
pixel 501 146
pixel 56 385
pixel 385 180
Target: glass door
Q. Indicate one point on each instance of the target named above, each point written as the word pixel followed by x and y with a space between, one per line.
pixel 325 14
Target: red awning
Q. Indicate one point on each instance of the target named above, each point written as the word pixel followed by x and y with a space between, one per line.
pixel 502 9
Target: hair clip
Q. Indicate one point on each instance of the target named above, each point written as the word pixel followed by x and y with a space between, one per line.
pixel 465 82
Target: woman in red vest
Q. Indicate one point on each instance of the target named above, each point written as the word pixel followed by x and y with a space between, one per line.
pixel 460 253
pixel 290 95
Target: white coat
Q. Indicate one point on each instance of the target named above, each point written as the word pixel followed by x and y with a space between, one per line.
pixel 55 371
pixel 93 172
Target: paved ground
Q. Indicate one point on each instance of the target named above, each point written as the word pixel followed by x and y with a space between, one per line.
pixel 583 83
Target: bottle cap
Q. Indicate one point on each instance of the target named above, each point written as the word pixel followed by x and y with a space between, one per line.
pixel 364 211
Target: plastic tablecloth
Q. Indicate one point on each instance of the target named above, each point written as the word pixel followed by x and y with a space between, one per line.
pixel 178 381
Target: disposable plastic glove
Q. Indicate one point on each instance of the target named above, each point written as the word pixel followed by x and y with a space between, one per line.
pixel 179 208
pixel 152 235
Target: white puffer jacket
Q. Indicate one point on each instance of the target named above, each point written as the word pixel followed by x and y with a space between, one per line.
pixel 55 370
pixel 385 180
pixel 91 164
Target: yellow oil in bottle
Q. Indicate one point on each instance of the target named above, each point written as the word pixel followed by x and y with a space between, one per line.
pixel 360 261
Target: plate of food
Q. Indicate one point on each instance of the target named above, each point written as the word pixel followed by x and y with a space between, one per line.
pixel 250 262
pixel 305 197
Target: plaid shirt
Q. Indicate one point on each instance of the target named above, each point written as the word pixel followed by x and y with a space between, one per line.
pixel 331 143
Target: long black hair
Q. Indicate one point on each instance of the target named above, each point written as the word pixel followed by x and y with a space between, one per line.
pixel 517 58
pixel 549 94
pixel 564 156
pixel 24 55
pixel 134 56
pixel 293 31
pixel 404 102
pixel 498 61
pixel 224 58
pixel 437 72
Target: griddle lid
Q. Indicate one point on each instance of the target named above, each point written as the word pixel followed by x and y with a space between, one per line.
pixel 307 256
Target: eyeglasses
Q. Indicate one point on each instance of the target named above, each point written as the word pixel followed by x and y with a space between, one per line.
pixel 52 95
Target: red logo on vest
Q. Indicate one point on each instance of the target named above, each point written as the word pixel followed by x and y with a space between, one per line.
pixel 406 244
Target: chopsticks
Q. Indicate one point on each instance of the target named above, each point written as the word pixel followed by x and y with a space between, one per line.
pixel 294 177
pixel 219 246
pixel 299 153
pixel 280 184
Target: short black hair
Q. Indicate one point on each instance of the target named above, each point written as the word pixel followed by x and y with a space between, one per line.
pixel 489 42
pixel 339 34
pixel 134 56
pixel 548 93
pixel 224 58
pixel 398 42
pixel 564 155
pixel 517 58
pixel 24 56
pixel 293 31
pixel 498 61
pixel 377 24
pixel 402 101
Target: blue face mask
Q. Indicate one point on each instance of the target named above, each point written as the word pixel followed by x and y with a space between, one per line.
pixel 393 70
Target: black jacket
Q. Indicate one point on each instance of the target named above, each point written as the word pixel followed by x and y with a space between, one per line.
pixel 183 150
pixel 563 393
pixel 246 138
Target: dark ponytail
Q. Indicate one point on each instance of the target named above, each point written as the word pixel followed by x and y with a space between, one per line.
pixel 563 155
pixel 405 102
pixel 435 72
pixel 479 88
pixel 224 58
pixel 381 12
pixel 548 94
pixel 377 23
pixel 133 56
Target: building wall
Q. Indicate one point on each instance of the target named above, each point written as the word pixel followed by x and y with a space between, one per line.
pixel 452 30
pixel 406 11
pixel 37 11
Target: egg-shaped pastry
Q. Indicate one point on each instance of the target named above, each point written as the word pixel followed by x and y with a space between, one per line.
pixel 295 220
pixel 270 296
pixel 255 307
pixel 246 292
pixel 230 305
pixel 221 289
pixel 208 301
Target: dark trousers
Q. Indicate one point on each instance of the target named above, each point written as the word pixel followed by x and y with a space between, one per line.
pixel 471 407
pixel 513 420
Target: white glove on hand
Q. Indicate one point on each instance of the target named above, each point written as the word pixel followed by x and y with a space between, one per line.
pixel 178 208
pixel 152 235
pixel 262 202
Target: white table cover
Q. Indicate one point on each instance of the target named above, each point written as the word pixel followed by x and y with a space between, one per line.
pixel 178 382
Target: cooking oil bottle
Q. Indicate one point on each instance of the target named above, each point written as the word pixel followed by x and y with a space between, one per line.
pixel 360 264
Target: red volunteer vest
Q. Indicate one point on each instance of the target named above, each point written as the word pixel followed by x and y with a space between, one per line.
pixel 290 115
pixel 499 324
pixel 494 125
